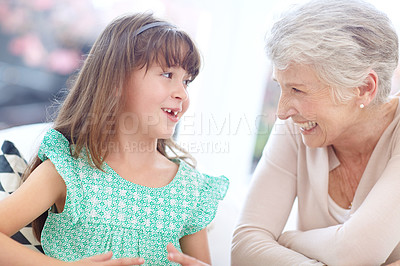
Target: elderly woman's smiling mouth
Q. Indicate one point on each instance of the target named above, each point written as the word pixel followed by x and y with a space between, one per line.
pixel 306 126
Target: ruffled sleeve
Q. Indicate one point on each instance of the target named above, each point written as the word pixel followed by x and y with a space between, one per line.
pixel 56 148
pixel 211 191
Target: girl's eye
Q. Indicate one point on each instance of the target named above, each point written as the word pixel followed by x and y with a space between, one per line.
pixel 187 82
pixel 167 75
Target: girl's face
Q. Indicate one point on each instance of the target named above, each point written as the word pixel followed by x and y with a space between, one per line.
pixel 308 101
pixel 156 99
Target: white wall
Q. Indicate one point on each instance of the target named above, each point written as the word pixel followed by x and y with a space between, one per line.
pixel 220 126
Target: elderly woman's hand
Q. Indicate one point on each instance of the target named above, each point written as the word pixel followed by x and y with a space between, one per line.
pixel 396 263
pixel 175 256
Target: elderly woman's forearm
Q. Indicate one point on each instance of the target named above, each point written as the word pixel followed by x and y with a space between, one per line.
pixel 255 246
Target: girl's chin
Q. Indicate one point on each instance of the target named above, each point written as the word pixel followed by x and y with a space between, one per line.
pixel 166 135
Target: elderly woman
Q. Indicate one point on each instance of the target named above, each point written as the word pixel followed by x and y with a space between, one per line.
pixel 335 146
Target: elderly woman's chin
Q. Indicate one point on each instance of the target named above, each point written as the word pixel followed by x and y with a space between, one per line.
pixel 316 138
pixel 311 135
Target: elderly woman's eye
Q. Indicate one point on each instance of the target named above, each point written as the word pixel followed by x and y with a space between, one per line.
pixel 296 90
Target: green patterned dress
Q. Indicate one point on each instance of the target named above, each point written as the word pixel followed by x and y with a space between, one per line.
pixel 104 212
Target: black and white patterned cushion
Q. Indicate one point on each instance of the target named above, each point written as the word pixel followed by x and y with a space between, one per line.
pixel 12 166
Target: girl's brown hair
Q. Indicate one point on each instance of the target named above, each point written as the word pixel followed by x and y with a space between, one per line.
pixel 88 116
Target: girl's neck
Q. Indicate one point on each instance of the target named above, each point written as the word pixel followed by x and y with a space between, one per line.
pixel 133 148
pixel 137 160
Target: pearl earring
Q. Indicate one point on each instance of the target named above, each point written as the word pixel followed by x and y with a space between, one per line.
pixel 362 106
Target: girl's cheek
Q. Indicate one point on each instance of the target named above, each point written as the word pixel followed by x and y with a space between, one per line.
pixel 185 105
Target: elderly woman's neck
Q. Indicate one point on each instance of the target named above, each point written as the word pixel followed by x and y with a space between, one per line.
pixel 372 124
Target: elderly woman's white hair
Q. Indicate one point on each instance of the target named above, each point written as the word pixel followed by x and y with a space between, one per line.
pixel 342 40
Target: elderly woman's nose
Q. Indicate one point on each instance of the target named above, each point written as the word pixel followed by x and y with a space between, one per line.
pixel 285 109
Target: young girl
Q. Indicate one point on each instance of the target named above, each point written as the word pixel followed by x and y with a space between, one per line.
pixel 104 179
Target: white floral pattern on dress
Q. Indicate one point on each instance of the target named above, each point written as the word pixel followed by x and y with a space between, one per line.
pixel 105 212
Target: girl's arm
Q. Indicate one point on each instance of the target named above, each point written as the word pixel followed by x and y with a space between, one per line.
pixel 43 187
pixel 37 194
pixel 175 256
pixel 196 246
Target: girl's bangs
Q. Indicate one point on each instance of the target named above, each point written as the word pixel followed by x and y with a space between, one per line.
pixel 171 48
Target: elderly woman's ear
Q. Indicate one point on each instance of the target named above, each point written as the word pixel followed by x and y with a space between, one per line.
pixel 367 92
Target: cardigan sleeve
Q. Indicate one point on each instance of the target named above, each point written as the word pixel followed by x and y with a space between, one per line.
pixel 268 205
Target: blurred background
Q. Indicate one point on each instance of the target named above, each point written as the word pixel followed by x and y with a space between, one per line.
pixel 233 100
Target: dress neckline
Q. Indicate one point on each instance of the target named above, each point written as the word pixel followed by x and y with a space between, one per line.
pixel 118 178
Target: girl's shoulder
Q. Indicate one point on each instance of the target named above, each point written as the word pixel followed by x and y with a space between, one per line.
pixel 204 183
pixel 186 173
pixel 204 192
pixel 54 144
pixel 56 147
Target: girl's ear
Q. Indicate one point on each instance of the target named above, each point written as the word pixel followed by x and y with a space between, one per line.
pixel 367 92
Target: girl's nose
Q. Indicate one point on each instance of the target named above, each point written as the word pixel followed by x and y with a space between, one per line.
pixel 180 92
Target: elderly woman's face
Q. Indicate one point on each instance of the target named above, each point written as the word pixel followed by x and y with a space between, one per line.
pixel 308 101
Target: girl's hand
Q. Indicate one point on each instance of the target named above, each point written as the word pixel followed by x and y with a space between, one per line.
pixel 185 260
pixel 105 260
pixel 396 263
